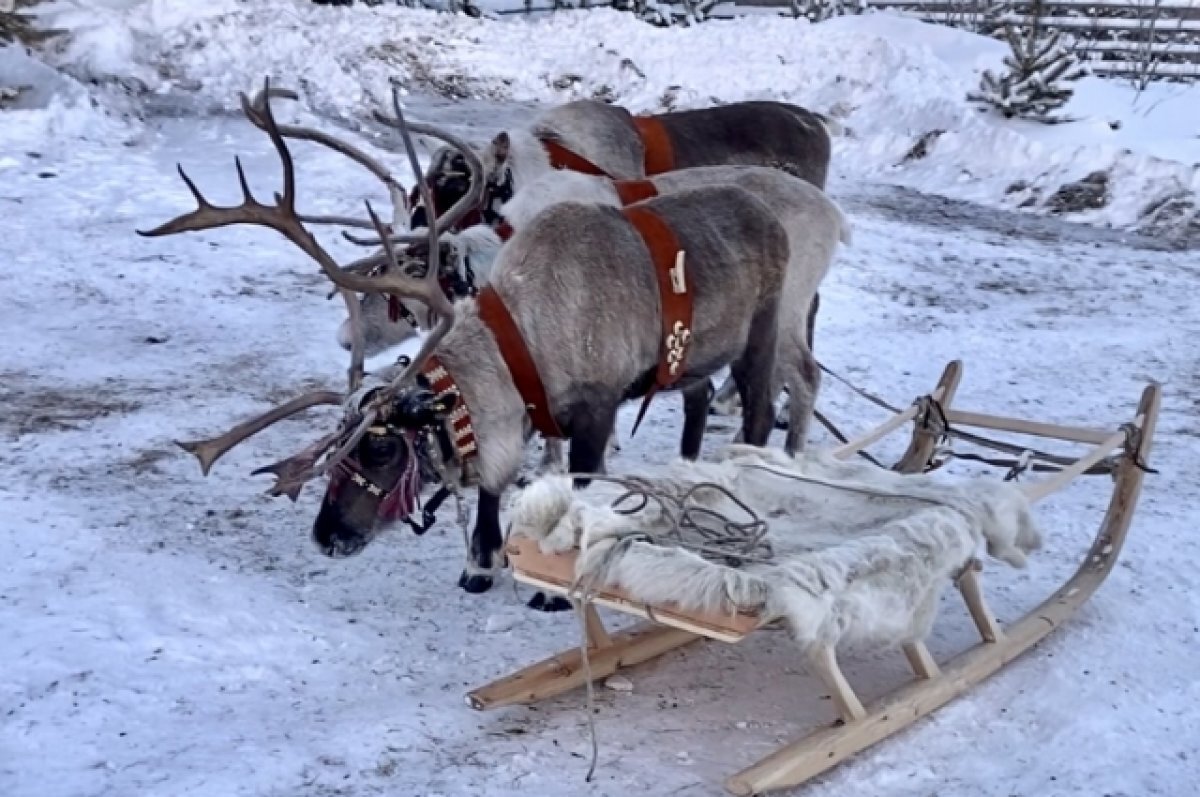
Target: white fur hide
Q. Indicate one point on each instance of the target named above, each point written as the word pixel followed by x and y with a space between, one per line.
pixel 847 568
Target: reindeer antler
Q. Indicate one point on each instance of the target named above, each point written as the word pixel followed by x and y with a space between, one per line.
pixel 464 205
pixel 258 107
pixel 283 218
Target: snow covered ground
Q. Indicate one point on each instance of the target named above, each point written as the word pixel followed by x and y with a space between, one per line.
pixel 165 634
pixel 892 81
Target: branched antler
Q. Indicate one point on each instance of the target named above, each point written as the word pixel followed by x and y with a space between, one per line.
pixel 283 218
pixel 395 191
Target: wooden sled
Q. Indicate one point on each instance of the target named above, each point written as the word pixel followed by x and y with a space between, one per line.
pixel 935 684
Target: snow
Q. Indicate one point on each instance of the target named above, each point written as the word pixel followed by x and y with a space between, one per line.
pixel 891 80
pixel 164 633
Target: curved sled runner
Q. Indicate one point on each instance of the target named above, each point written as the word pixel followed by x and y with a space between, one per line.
pixel 935 684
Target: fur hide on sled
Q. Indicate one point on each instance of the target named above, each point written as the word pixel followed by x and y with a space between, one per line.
pixel 852 554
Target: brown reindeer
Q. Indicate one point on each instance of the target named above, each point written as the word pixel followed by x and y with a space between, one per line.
pixel 597 138
pixel 556 355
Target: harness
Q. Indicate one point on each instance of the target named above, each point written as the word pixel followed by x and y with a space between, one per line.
pixel 675 299
pixel 517 357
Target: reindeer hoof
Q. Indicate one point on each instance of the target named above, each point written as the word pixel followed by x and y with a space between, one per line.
pixel 474 583
pixel 541 603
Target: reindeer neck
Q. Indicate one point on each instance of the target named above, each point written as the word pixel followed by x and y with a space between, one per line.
pixel 527 158
pixel 471 356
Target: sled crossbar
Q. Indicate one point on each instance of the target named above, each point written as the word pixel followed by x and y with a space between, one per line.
pixel 1074 434
pixel 859 726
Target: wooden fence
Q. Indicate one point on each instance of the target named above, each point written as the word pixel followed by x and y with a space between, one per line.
pixel 1140 39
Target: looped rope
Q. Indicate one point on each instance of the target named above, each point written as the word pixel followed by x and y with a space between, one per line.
pixel 690 523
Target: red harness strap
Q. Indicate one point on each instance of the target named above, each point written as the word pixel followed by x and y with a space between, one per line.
pixel 520 363
pixel 631 191
pixel 675 299
pixel 563 158
pixel 656 142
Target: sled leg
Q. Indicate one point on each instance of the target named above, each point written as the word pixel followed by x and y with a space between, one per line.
pixel 925 435
pixel 921 660
pixel 972 592
pixel 824 663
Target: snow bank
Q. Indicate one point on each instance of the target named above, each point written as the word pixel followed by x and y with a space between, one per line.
pixel 892 81
pixel 50 109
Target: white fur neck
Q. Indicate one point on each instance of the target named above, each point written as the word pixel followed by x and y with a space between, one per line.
pixel 554 186
pixel 527 158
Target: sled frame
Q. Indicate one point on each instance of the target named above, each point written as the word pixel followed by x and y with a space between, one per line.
pixel 858 726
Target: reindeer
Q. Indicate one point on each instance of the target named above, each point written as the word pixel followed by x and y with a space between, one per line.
pixel 814 224
pixel 597 138
pixel 559 355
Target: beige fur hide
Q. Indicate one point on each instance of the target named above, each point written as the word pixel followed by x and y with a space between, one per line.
pixel 860 554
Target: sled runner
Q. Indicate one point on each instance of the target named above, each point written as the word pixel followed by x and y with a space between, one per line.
pixel 870 569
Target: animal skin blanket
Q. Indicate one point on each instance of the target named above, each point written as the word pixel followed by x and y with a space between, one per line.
pixel 856 554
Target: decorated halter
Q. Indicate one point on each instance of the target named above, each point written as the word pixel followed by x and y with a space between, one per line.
pixel 430 458
pixel 398 502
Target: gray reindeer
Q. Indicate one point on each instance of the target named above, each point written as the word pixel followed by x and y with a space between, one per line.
pixel 814 224
pixel 592 337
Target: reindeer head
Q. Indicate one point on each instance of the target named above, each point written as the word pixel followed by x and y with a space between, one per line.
pixel 380 479
pixel 378 440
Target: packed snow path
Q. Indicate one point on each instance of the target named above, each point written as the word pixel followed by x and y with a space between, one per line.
pixel 165 634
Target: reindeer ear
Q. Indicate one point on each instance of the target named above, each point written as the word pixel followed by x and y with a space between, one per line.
pixel 501 146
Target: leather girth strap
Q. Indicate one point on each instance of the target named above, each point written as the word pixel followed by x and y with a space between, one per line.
pixel 520 363
pixel 675 299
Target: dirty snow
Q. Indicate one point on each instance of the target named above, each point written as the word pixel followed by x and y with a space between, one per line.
pixel 166 634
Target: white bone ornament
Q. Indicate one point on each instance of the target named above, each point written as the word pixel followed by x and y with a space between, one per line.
pixel 678 277
pixel 676 343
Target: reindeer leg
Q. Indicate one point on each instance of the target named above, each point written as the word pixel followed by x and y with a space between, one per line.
pixel 552 457
pixel 484 557
pixel 803 379
pixel 754 373
pixel 696 401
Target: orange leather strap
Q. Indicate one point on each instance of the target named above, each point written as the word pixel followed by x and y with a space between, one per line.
pixel 631 191
pixel 660 155
pixel 520 363
pixel 563 158
pixel 675 298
